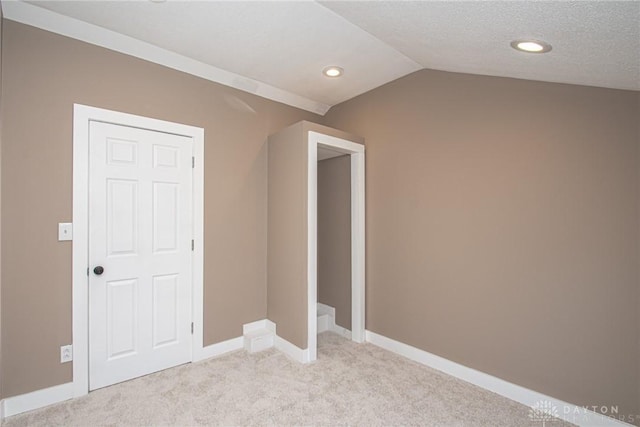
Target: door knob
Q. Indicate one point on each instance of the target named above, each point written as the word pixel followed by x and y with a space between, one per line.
pixel 98 270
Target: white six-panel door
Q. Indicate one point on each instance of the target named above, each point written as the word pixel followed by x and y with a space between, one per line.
pixel 140 231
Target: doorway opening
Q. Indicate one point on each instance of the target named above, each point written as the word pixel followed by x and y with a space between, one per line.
pixel 344 153
pixel 334 242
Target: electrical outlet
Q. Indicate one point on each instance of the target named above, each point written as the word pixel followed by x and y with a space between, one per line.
pixel 66 353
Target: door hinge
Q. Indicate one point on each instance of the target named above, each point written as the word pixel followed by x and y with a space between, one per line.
pixel 193 245
pixel 193 162
pixel 191 328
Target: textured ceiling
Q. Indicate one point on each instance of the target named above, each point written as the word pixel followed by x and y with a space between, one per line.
pixel 594 43
pixel 285 45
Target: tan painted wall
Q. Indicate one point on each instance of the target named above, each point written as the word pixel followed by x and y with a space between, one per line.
pixel 287 231
pixel 334 236
pixel 502 228
pixel 43 75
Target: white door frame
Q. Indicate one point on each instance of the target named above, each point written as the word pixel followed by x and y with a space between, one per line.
pixel 356 152
pixel 82 116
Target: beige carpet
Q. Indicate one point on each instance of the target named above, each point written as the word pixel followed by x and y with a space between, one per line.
pixel 350 384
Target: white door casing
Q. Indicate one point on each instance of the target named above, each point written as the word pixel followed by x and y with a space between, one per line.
pixel 140 229
pixel 190 299
pixel 357 155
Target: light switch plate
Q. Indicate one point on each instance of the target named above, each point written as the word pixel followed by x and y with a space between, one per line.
pixel 65 231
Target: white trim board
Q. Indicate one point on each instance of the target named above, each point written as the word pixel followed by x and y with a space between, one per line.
pixel 82 116
pixel 219 349
pixel 337 329
pixel 312 249
pixel 566 411
pixel 36 399
pixel 282 345
pixel 35 16
pixel 291 350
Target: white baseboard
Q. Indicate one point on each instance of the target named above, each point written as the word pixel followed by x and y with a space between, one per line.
pixel 566 411
pixel 291 350
pixel 337 329
pixel 218 349
pixel 36 399
pixel 237 343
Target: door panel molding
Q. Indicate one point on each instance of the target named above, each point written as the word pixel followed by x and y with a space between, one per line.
pixel 120 152
pixel 144 318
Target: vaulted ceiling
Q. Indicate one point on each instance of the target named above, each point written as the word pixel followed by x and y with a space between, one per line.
pixel 278 49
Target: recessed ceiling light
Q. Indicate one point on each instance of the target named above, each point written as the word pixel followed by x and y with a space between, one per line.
pixel 531 46
pixel 332 71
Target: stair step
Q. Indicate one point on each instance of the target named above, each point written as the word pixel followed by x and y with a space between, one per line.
pixel 323 323
pixel 258 340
